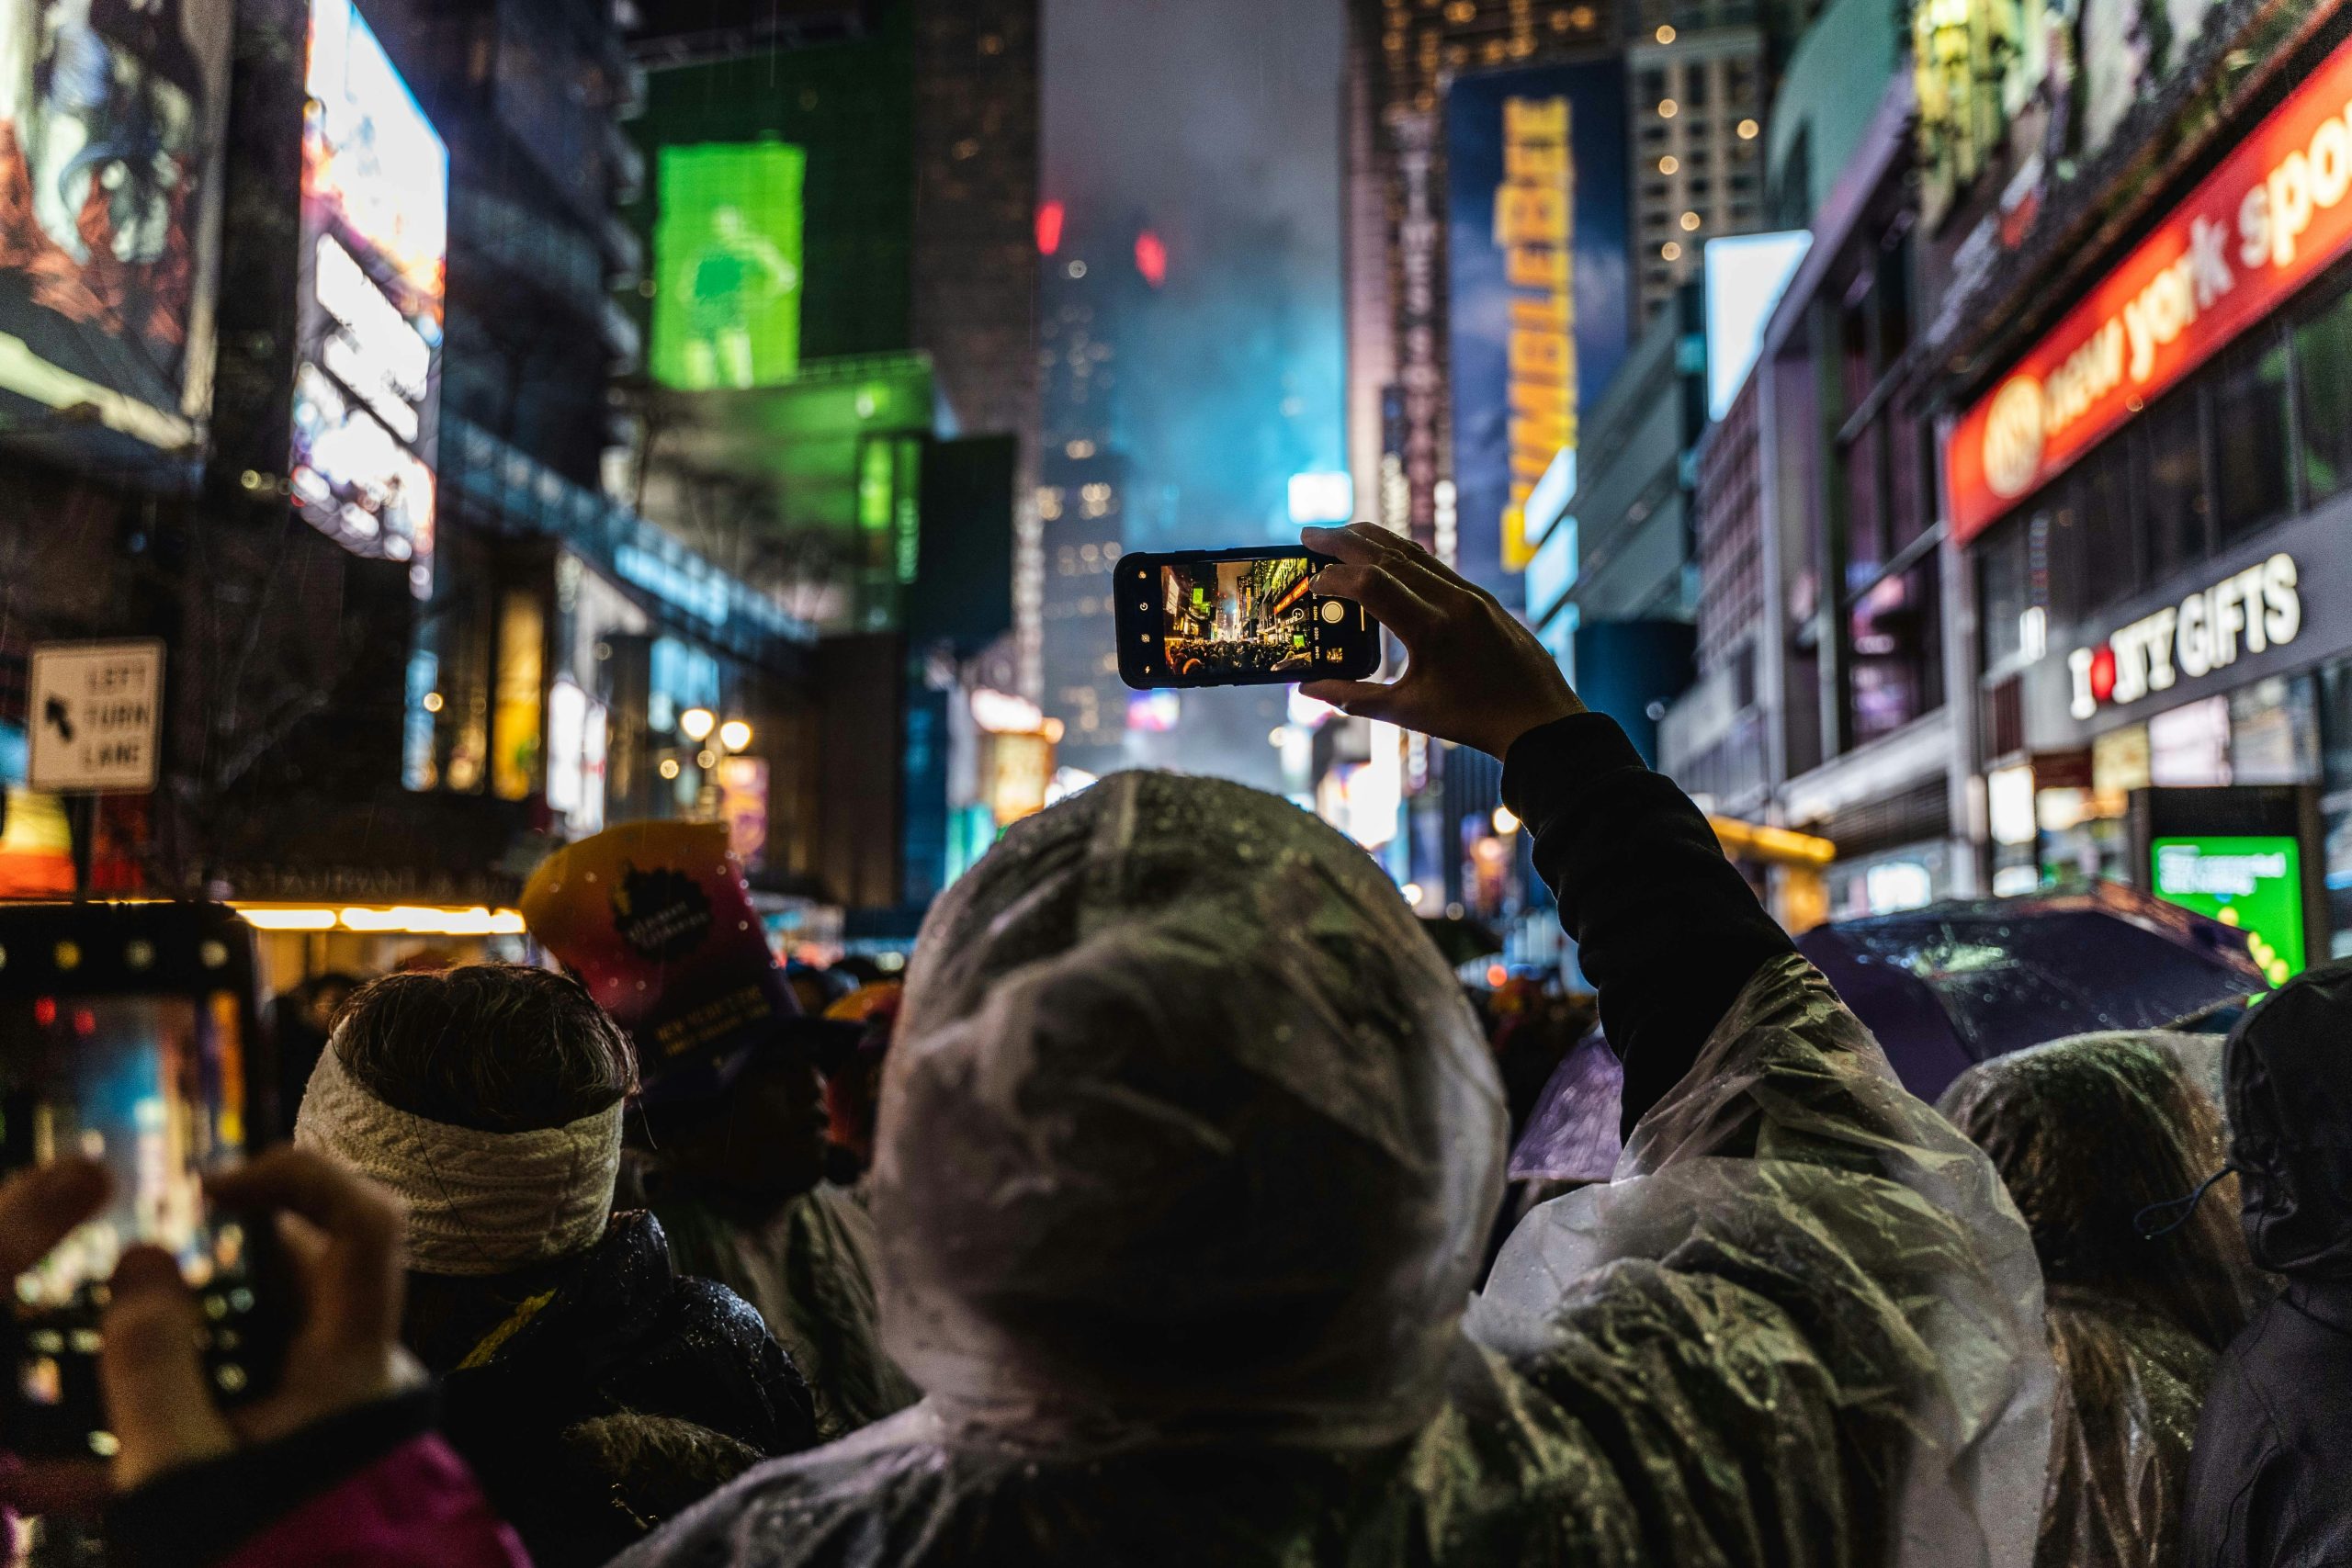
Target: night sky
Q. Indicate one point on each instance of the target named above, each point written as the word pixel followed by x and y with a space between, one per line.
pixel 1217 123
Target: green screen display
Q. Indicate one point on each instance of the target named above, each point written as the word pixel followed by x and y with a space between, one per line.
pixel 727 265
pixel 2253 883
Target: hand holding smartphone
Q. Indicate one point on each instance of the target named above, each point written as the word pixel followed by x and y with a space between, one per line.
pixel 1473 672
pixel 125 1036
pixel 1235 617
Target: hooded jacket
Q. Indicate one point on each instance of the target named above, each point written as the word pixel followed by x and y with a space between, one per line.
pixel 2088 1134
pixel 2269 1482
pixel 600 1394
pixel 1189 1147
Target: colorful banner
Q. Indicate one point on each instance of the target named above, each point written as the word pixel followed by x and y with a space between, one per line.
pixel 2252 232
pixel 656 921
pixel 1540 293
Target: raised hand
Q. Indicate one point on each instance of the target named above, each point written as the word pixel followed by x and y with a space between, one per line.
pixel 342 1236
pixel 1473 672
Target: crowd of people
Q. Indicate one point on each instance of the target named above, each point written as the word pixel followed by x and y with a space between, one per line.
pixel 1155 1222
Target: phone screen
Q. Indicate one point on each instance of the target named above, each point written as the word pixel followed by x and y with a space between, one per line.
pixel 1227 617
pixel 152 1088
pixel 102 1056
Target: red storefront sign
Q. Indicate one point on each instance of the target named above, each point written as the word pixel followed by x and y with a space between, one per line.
pixel 2276 210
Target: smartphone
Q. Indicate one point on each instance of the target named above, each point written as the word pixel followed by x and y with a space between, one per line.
pixel 127 1036
pixel 1237 619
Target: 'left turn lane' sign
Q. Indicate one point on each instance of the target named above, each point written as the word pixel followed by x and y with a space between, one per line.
pixel 93 711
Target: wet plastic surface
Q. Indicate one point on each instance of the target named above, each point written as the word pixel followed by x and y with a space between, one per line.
pixel 1955 984
pixel 2097 1137
pixel 1189 1145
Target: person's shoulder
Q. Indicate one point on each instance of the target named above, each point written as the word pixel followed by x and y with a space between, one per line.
pixel 706 1306
pixel 814 1508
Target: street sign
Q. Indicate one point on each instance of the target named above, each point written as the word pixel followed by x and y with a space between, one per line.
pixel 93 711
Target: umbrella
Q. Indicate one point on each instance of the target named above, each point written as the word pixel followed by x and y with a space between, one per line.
pixel 1573 1134
pixel 1954 984
pixel 1461 939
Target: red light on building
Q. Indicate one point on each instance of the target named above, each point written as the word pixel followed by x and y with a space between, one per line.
pixel 1152 258
pixel 1050 228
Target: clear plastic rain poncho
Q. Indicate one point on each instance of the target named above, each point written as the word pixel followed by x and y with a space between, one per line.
pixel 2098 1137
pixel 1189 1143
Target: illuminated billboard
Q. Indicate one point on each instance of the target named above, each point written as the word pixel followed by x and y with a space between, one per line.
pixel 110 136
pixel 1747 275
pixel 1540 297
pixel 727 265
pixel 375 246
pixel 2253 883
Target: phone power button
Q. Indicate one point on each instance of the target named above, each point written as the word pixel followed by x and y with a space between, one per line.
pixel 1334 612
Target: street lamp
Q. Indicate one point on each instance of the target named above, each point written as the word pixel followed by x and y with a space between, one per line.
pixel 734 735
pixel 696 724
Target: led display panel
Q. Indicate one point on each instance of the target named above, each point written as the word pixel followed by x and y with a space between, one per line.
pixel 375 250
pixel 727 265
pixel 111 115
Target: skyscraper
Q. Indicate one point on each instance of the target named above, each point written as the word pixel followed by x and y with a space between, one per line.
pixel 1091 284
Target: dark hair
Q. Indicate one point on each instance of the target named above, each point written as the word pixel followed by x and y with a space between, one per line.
pixel 498 1047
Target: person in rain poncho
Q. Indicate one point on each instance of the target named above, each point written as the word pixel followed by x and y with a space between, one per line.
pixel 728 1145
pixel 2098 1139
pixel 2268 1476
pixel 1189 1143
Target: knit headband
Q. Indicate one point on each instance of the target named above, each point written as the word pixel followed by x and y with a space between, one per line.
pixel 478 1203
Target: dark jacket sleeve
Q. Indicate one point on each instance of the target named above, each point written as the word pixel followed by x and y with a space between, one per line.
pixel 1664 927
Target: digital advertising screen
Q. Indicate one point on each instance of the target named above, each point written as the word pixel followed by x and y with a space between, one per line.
pixel 727 265
pixel 374 248
pixel 1541 289
pixel 112 115
pixel 2251 882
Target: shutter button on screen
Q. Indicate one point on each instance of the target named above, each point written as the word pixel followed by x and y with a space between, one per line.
pixel 1334 612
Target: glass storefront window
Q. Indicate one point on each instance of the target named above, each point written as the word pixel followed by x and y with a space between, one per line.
pixel 2171 460
pixel 2323 389
pixel 2111 527
pixel 2001 593
pixel 2335 694
pixel 1865 533
pixel 2274 732
pixel 1895 670
pixel 2250 433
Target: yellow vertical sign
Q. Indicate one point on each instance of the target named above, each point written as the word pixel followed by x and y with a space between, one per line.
pixel 1535 229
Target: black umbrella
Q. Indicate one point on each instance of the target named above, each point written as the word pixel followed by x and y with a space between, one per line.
pixel 1953 984
pixel 1461 939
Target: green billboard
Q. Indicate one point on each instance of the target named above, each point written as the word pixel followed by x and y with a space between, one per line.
pixel 727 265
pixel 2251 882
